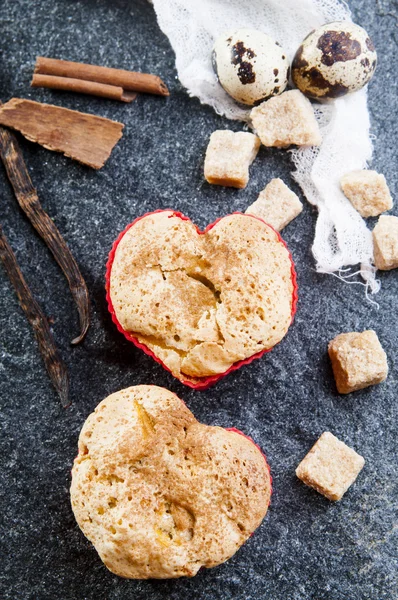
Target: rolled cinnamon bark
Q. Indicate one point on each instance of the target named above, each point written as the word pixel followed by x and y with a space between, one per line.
pixel 128 80
pixel 68 84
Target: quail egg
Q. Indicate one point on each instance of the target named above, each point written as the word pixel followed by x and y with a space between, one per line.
pixel 250 66
pixel 334 60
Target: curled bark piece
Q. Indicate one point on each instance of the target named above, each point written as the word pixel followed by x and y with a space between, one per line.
pixel 67 84
pixel 128 80
pixel 86 138
pixel 54 364
pixel 28 200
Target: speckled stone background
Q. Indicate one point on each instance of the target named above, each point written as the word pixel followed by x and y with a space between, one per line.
pixel 307 547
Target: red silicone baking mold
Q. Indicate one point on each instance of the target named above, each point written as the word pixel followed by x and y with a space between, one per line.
pixel 205 381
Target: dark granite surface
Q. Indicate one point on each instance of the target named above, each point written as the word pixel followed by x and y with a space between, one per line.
pixel 307 547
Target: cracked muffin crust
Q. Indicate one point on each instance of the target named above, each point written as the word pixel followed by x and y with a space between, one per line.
pixel 159 494
pixel 201 302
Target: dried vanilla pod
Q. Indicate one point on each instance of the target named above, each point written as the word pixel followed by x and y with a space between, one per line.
pixel 54 364
pixel 28 200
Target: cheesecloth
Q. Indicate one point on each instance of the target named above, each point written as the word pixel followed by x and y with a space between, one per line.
pixel 342 238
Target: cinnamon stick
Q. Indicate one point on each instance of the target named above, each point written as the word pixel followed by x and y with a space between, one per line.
pixel 67 84
pixel 28 200
pixel 54 364
pixel 128 80
pixel 86 138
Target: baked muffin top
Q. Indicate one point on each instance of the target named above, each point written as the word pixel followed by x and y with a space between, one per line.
pixel 160 494
pixel 202 302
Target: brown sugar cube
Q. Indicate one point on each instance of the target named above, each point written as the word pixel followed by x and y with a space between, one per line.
pixel 358 361
pixel 228 157
pixel 286 119
pixel 330 467
pixel 367 191
pixel 385 243
pixel 277 205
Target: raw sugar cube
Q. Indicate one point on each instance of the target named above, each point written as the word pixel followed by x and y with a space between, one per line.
pixel 286 119
pixel 385 243
pixel 367 191
pixel 276 205
pixel 358 361
pixel 228 157
pixel 330 467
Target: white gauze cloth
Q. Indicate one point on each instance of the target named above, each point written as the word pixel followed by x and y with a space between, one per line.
pixel 341 236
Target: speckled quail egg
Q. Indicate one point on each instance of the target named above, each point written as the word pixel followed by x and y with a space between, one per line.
pixel 250 66
pixel 334 60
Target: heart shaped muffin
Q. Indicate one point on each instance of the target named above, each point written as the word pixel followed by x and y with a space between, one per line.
pixel 201 303
pixel 161 495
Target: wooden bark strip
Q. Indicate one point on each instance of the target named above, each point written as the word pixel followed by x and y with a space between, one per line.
pixel 67 84
pixel 86 138
pixel 54 364
pixel 128 80
pixel 28 200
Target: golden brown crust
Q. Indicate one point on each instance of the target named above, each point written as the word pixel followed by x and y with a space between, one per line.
pixel 202 302
pixel 159 494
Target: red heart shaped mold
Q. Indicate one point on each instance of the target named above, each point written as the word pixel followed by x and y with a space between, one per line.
pixel 207 380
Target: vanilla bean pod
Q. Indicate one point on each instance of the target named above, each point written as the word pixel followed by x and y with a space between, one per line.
pixel 28 200
pixel 55 366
